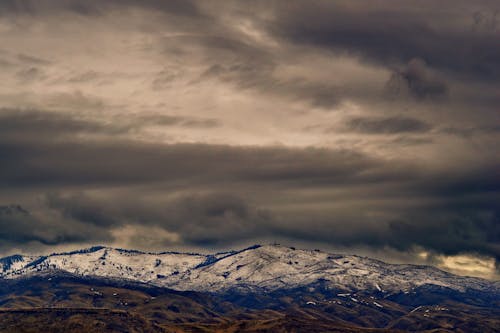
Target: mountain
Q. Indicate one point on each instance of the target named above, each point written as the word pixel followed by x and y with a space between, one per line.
pixel 267 288
pixel 269 268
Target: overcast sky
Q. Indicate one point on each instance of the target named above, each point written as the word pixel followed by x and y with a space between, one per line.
pixel 367 127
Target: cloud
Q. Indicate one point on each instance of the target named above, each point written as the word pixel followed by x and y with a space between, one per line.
pixel 134 162
pixel 388 125
pixel 417 80
pixel 49 151
pixel 398 214
pixel 18 227
pixel 152 119
pixel 467 265
pixel 207 193
pixel 468 132
pixel 94 7
pixel 199 219
pixel 30 74
pixel 386 34
pixel 31 125
pixel 138 236
pixel 32 60
pixel 219 194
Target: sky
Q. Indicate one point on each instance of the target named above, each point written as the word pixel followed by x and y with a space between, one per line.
pixel 365 127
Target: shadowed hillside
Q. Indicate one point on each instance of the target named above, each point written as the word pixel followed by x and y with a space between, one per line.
pixel 66 303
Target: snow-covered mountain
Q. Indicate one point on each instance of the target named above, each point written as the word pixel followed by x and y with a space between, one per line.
pixel 269 267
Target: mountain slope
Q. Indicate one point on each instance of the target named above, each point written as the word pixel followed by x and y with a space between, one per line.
pixel 62 302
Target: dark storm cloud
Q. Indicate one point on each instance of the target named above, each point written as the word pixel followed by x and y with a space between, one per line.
pixel 440 230
pixel 402 40
pixel 115 162
pixel 94 175
pixel 95 7
pixel 30 125
pixel 33 125
pixel 19 227
pixel 468 132
pixel 388 125
pixel 445 211
pixel 43 148
pixel 409 141
pixel 408 214
pixel 176 7
pixel 16 224
pixel 466 230
pixel 416 80
pixel 34 7
pixel 383 33
pixel 212 194
pixel 411 40
pixel 82 208
pixel 201 219
pixel 426 56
